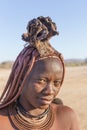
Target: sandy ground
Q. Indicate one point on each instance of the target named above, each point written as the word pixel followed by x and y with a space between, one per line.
pixel 73 91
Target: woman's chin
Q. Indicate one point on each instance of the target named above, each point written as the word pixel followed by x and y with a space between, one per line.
pixel 45 106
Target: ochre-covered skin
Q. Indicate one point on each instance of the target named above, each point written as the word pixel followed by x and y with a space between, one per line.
pixel 65 119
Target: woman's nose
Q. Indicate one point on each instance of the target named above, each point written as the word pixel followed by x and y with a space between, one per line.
pixel 49 89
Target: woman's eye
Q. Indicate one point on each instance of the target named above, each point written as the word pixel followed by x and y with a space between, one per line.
pixel 57 82
pixel 42 81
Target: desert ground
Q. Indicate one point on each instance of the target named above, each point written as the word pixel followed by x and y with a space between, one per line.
pixel 73 91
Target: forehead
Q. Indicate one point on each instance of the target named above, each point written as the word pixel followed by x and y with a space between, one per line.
pixel 48 64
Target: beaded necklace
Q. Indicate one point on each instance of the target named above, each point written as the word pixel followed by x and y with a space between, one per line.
pixel 20 122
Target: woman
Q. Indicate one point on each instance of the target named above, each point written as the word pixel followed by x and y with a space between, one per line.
pixel 28 101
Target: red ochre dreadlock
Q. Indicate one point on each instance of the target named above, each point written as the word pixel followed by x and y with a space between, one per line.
pixel 39 31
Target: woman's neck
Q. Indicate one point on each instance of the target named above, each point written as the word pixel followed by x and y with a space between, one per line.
pixel 29 108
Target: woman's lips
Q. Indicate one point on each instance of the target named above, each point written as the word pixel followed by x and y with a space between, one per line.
pixel 46 100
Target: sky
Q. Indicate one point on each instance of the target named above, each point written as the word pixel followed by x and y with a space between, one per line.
pixel 70 17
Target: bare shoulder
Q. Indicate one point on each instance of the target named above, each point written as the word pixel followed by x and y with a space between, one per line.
pixel 63 110
pixel 66 115
pixel 3 115
pixel 4 120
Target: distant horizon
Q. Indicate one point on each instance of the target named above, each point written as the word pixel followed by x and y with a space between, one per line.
pixel 78 59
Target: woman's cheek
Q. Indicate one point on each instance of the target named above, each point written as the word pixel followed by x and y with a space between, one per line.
pixel 57 90
pixel 38 87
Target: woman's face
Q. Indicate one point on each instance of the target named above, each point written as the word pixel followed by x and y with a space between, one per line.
pixel 43 83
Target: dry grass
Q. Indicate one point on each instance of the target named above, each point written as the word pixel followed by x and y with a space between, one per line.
pixel 73 91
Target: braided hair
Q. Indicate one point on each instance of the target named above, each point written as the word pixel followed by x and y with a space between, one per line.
pixel 39 31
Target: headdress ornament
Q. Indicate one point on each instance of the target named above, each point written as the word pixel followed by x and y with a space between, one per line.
pixel 39 31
